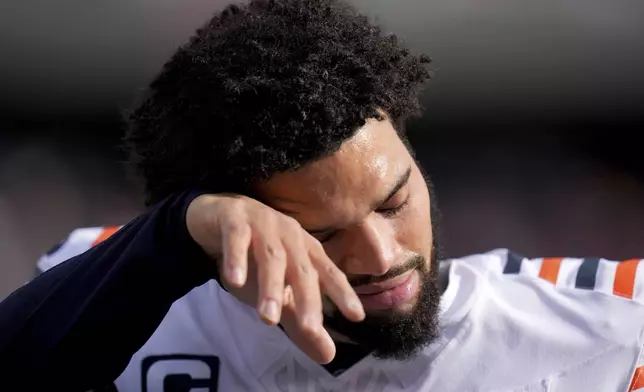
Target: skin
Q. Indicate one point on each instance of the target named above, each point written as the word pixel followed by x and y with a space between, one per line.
pixel 344 220
pixel 345 202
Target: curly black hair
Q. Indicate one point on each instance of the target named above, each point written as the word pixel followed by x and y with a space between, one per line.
pixel 265 88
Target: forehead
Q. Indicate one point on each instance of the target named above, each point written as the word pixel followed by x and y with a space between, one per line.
pixel 361 171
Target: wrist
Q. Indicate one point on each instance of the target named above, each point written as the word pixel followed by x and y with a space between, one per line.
pixel 194 253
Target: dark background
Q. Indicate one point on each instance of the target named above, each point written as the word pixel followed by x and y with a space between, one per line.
pixel 531 133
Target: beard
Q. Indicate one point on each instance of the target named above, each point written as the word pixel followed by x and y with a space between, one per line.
pixel 400 335
pixel 393 335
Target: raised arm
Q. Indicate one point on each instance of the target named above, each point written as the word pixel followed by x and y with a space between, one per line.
pixel 76 326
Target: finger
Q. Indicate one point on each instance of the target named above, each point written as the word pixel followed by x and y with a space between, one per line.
pixel 236 237
pixel 270 259
pixel 306 288
pixel 335 285
pixel 287 297
pixel 317 344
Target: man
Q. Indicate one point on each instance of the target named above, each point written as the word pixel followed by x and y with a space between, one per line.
pixel 289 227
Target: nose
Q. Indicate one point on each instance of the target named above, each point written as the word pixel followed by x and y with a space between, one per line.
pixel 371 248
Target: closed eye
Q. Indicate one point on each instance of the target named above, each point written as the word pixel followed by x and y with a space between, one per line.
pixel 393 211
pixel 386 212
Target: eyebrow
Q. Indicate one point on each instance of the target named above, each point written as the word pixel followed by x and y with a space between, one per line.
pixel 402 181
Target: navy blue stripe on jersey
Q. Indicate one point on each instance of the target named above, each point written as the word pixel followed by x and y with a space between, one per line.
pixel 587 274
pixel 513 265
pixel 56 247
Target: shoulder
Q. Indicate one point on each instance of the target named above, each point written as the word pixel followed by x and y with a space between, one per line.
pixel 596 296
pixel 574 319
pixel 619 279
pixel 588 296
pixel 77 242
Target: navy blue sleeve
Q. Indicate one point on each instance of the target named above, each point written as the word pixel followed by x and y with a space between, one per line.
pixel 76 326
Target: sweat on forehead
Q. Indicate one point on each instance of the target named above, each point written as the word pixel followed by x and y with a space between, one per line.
pixel 364 168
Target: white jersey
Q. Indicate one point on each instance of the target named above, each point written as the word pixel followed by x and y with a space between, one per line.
pixel 509 324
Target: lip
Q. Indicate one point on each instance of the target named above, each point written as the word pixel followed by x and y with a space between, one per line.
pixel 380 287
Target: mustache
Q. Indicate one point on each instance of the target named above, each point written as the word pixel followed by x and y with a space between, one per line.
pixel 414 262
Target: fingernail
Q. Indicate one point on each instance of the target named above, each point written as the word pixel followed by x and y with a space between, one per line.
pixel 327 341
pixel 236 276
pixel 268 311
pixel 356 307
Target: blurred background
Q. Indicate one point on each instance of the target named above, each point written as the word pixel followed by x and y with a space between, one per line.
pixel 531 131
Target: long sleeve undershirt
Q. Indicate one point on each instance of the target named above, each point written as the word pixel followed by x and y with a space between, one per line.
pixel 76 326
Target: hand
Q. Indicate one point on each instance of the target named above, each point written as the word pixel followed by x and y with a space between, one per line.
pixel 269 262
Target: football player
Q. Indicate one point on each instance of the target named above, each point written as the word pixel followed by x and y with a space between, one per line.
pixel 291 243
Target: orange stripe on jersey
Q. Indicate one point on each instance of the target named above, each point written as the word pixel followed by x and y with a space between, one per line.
pixel 638 379
pixel 105 234
pixel 550 269
pixel 625 278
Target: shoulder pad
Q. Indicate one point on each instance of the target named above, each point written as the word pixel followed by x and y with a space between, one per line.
pixel 79 241
pixel 619 278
